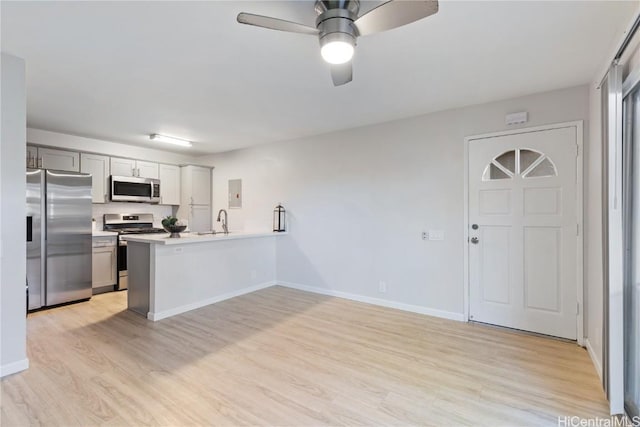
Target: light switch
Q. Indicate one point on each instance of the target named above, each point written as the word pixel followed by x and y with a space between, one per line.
pixel 436 234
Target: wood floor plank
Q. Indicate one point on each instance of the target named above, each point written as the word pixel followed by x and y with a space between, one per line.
pixel 286 357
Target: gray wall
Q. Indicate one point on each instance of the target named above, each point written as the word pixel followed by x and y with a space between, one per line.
pixel 359 199
pixel 13 355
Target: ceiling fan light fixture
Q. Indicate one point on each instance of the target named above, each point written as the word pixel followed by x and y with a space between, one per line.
pixel 337 48
pixel 169 140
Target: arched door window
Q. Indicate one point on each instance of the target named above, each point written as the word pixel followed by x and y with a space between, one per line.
pixel 522 162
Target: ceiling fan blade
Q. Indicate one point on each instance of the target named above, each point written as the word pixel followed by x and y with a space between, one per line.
pixel 393 14
pixel 342 73
pixel 275 24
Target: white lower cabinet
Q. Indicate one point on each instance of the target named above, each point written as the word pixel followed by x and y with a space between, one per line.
pixel 104 262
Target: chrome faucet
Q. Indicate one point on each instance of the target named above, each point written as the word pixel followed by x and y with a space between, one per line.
pixel 224 221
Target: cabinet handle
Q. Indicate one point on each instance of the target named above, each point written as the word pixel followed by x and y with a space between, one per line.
pixel 40 162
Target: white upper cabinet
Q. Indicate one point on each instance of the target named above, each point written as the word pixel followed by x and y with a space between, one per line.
pixel 129 167
pixel 196 185
pixel 98 167
pixel 47 158
pixel 147 169
pixel 32 157
pixel 123 167
pixel 169 184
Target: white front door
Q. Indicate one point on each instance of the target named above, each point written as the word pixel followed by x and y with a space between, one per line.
pixel 523 231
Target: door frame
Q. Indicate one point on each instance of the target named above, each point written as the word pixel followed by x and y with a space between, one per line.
pixel 578 125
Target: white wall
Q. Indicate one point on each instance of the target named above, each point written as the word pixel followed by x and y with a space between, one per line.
pixel 359 199
pixel 13 356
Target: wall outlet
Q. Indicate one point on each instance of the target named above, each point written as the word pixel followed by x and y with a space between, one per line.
pixel 436 234
pixel 382 287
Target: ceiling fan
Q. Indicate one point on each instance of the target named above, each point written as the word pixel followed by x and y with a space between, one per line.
pixel 338 26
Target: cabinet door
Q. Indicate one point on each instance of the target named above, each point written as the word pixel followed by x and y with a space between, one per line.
pixel 169 184
pixel 146 169
pixel 104 267
pixel 59 160
pixel 200 186
pixel 199 218
pixel 98 167
pixel 122 167
pixel 32 157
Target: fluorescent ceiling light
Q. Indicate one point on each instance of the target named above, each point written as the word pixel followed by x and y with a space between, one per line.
pixel 169 140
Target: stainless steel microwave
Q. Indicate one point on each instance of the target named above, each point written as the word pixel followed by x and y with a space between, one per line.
pixel 135 189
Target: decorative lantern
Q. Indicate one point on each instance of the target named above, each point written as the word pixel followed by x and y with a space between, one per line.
pixel 279 218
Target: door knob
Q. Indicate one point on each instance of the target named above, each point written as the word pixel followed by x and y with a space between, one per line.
pixel 474 240
pixel 474 226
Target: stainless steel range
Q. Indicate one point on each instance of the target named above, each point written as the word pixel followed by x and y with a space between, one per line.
pixel 128 224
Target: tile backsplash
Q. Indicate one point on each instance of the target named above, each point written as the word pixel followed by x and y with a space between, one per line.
pixel 158 211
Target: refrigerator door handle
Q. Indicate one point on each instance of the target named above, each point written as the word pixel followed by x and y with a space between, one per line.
pixel 29 228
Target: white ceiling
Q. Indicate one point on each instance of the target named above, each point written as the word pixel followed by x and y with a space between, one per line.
pixel 122 70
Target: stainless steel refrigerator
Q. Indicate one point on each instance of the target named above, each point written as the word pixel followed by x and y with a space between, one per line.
pixel 58 237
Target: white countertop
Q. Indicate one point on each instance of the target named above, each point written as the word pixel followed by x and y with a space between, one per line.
pixel 100 233
pixel 188 238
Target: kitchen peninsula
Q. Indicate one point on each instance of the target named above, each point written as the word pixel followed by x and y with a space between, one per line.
pixel 171 276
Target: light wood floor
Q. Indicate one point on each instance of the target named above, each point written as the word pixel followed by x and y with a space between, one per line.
pixel 286 357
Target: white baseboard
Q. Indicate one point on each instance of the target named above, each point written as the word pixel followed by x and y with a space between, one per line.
pixel 188 307
pixel 377 301
pixel 594 357
pixel 12 368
